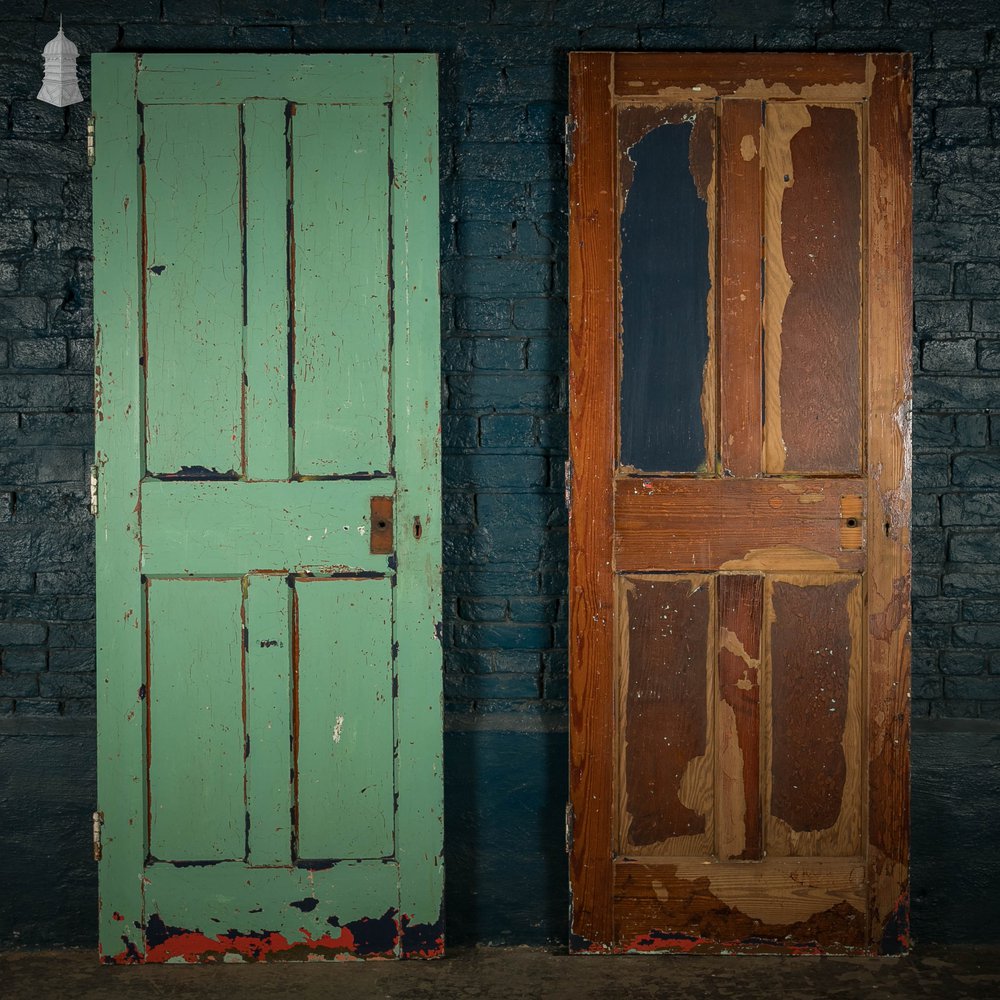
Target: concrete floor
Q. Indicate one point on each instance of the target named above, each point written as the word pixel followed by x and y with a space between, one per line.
pixel 515 974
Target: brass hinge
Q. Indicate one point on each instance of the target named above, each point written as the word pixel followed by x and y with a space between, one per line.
pixel 569 127
pixel 93 491
pixel 569 827
pixel 98 823
pixel 91 155
pixel 568 482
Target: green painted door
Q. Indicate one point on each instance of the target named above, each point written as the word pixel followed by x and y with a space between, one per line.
pixel 268 522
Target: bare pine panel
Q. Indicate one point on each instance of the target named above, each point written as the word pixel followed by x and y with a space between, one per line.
pixel 812 361
pixel 737 727
pixel 813 627
pixel 666 649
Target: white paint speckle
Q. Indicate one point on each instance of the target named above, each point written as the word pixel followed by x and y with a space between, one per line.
pixel 338 729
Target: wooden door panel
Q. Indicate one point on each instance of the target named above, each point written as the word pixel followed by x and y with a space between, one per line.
pixel 812 303
pixel 666 647
pixel 339 203
pixel 194 689
pixel 192 277
pixel 343 719
pixel 738 713
pixel 813 677
pixel 739 552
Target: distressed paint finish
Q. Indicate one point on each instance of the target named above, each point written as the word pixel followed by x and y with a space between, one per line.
pixel 193 276
pixel 121 640
pixel 195 719
pixel 207 528
pixel 666 331
pixel 343 733
pixel 248 673
pixel 266 436
pixel 666 648
pixel 805 666
pixel 268 645
pixel 340 212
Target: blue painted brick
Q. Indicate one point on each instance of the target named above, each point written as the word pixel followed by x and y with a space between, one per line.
pixel 507 430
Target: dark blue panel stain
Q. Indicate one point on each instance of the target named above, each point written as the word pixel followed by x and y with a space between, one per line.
pixel 665 284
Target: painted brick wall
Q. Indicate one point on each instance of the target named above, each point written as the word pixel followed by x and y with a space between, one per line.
pixel 503 88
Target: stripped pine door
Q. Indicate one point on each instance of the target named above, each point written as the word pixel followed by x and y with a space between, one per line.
pixel 268 526
pixel 739 526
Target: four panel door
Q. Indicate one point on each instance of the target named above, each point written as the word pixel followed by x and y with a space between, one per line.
pixel 268 524
pixel 739 529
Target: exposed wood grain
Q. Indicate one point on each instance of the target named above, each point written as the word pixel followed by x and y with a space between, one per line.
pixel 820 376
pixel 196 765
pixel 667 330
pixel 781 904
pixel 340 170
pixel 782 123
pixel 814 721
pixel 740 234
pixel 344 745
pixel 663 524
pixel 889 325
pixel 666 649
pixel 593 320
pixel 738 747
pixel 749 75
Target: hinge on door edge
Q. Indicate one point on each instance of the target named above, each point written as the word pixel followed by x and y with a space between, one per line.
pixel 93 491
pixel 569 128
pixel 98 823
pixel 91 144
pixel 568 482
pixel 569 827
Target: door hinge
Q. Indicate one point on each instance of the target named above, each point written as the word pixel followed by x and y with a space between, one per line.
pixel 569 827
pixel 93 491
pixel 568 482
pixel 98 823
pixel 91 144
pixel 569 127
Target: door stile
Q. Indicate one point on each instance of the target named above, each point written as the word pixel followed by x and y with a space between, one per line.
pixel 593 368
pixel 889 322
pixel 740 287
pixel 416 394
pixel 121 769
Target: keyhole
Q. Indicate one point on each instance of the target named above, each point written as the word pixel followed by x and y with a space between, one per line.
pixel 852 522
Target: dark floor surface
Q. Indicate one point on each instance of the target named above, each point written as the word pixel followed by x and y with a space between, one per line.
pixel 515 974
